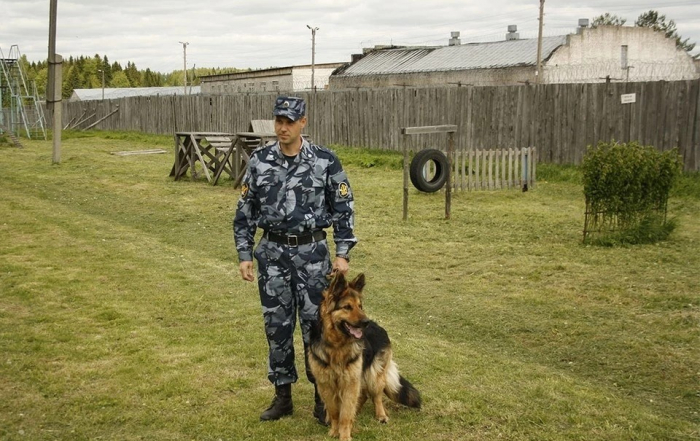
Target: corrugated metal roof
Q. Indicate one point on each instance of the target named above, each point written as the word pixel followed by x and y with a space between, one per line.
pixel 123 92
pixel 490 55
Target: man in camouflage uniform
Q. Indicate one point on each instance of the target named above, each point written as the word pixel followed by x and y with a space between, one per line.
pixel 292 190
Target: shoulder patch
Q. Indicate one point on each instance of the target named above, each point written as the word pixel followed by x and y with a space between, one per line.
pixel 343 190
pixel 244 190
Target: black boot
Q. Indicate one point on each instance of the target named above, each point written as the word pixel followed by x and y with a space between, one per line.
pixel 281 404
pixel 319 408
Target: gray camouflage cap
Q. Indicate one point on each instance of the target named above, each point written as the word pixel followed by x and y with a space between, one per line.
pixel 291 107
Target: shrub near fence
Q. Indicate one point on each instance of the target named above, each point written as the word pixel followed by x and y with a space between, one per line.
pixel 561 120
pixel 626 188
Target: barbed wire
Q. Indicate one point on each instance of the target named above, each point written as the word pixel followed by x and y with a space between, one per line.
pixel 258 86
pixel 636 71
pixel 580 73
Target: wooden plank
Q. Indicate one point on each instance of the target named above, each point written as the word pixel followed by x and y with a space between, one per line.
pixel 579 135
pixel 510 168
pixel 450 161
pixel 484 169
pixel 479 171
pixel 457 176
pixel 497 168
pixel 664 109
pixel 470 170
pixel 504 168
pixel 139 152
pixel 262 125
pixel 682 125
pixel 673 117
pixel 468 97
pixel 533 153
pixel 219 138
pixel 463 167
pixel 636 117
pixel 406 165
pixel 492 170
pixel 428 129
pixel 693 161
pixel 555 117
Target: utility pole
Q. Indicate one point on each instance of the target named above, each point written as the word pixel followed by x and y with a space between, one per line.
pixel 313 56
pixel 538 72
pixel 184 70
pixel 54 89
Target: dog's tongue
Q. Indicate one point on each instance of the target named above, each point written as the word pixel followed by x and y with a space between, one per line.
pixel 356 332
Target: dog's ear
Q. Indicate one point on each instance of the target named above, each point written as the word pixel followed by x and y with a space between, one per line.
pixel 359 283
pixel 338 286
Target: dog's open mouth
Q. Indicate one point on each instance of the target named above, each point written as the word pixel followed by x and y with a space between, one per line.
pixel 355 332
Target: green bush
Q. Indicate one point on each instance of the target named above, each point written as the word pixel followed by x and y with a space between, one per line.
pixel 688 185
pixel 626 188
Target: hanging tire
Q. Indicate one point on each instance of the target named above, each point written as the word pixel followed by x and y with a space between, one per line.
pixel 418 178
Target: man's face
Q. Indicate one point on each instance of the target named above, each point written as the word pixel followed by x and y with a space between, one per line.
pixel 288 132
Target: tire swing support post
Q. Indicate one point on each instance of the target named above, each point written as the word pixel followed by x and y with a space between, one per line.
pixel 450 130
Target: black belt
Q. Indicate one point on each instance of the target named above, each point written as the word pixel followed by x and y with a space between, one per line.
pixel 295 239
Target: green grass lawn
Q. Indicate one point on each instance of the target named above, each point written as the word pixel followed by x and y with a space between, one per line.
pixel 123 316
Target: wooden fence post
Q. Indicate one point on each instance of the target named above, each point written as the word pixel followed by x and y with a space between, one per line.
pixel 405 181
pixel 450 162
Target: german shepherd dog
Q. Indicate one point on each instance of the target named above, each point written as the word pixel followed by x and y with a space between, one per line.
pixel 351 358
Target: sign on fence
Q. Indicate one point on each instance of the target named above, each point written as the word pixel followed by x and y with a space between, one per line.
pixel 628 98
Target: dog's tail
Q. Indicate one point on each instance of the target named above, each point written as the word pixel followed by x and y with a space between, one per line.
pixel 400 389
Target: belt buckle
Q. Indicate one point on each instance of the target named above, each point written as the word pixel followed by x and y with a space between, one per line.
pixel 295 242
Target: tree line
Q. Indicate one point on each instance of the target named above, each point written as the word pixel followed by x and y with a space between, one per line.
pixel 87 73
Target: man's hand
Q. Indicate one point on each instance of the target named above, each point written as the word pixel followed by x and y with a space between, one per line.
pixel 341 266
pixel 246 268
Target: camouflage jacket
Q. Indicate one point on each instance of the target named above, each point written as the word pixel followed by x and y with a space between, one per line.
pixel 310 193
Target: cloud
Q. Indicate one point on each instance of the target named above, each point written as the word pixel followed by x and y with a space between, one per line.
pixel 267 33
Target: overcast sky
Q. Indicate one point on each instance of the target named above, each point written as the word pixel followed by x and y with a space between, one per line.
pixel 273 33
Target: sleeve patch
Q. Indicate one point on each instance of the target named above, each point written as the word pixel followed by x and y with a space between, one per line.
pixel 343 190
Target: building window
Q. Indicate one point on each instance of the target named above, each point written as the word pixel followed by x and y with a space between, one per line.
pixel 623 57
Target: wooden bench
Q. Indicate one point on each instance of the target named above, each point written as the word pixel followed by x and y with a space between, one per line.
pixel 210 149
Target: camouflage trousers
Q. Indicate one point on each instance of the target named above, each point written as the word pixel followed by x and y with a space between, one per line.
pixel 291 280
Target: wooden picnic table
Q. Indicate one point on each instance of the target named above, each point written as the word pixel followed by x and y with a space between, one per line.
pixel 216 152
pixel 244 145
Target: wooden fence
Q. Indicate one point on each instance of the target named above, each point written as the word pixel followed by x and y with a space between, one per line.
pixel 561 120
pixel 495 169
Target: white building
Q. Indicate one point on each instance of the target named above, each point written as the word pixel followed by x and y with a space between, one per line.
pixel 620 53
pixel 278 79
pixel 112 93
pixel 623 53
